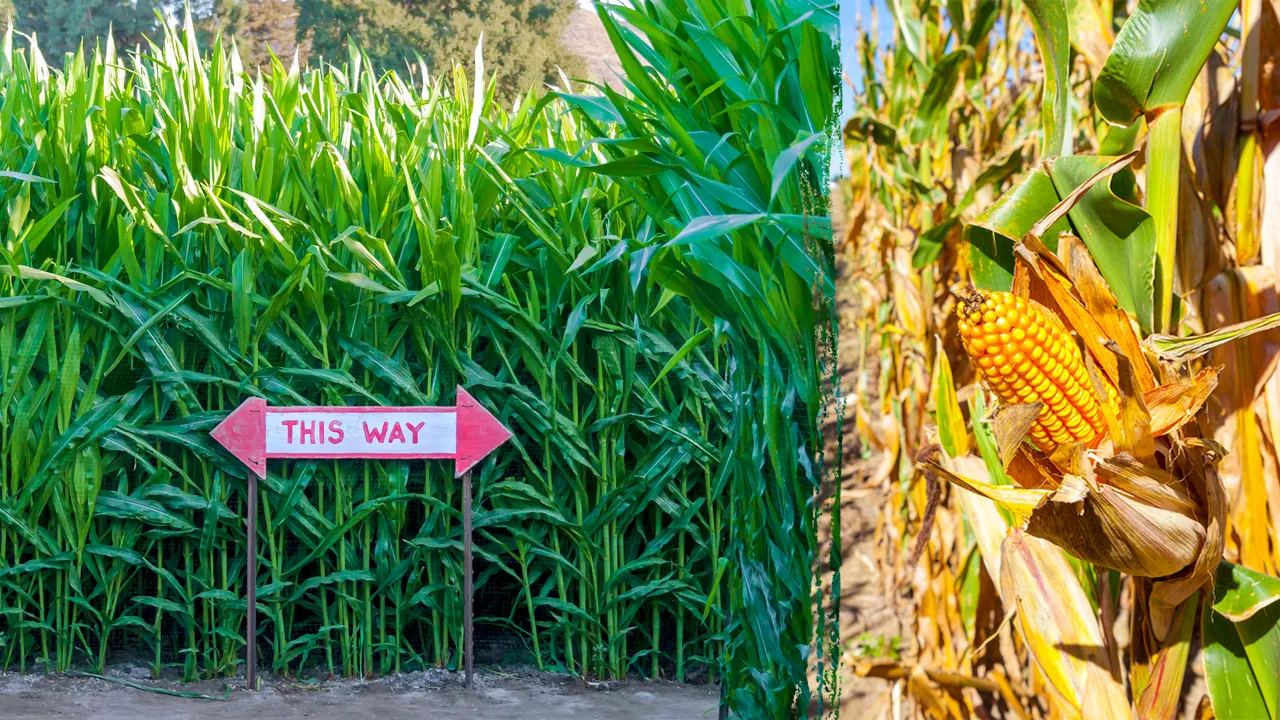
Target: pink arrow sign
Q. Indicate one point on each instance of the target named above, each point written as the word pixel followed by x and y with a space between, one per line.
pixel 465 433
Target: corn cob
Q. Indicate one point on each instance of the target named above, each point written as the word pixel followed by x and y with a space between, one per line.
pixel 1025 354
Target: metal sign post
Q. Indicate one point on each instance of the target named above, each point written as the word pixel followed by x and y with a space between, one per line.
pixel 464 433
pixel 467 618
pixel 251 592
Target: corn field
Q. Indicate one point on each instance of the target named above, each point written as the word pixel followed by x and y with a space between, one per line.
pixel 1062 228
pixel 636 284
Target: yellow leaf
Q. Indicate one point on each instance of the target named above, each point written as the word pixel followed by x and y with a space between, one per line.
pixel 1059 627
pixel 1160 694
pixel 985 520
pixel 952 434
pixel 1018 500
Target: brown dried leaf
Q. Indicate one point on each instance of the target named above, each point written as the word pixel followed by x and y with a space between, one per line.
pixel 1147 484
pixel 1172 406
pixel 1214 146
pixel 937 703
pixel 1201 252
pixel 1204 709
pixel 1010 424
pixel 1196 465
pixel 1099 385
pixel 1134 523
pixel 1134 422
pixel 1102 304
pixel 1028 283
pixel 1031 469
pixel 896 669
pixel 1269 57
pixel 1069 458
pixel 1233 296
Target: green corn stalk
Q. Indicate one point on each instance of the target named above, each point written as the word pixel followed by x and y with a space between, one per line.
pixel 180 234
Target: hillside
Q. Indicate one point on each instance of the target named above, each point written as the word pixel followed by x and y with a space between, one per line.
pixel 585 36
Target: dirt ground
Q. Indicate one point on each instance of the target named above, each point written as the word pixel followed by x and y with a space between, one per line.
pixel 865 609
pixel 438 695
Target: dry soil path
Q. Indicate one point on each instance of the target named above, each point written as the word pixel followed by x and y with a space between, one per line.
pixel 865 611
pixel 414 696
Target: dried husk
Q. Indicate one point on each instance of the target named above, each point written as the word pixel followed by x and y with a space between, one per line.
pixel 1138 520
pixel 1128 517
pixel 1174 405
pixel 1196 464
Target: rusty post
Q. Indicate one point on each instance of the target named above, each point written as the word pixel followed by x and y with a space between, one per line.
pixel 251 640
pixel 468 639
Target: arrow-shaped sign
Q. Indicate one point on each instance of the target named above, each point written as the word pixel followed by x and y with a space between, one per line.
pixel 254 432
pixel 464 433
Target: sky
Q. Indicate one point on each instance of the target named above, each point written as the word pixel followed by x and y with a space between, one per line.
pixel 853 15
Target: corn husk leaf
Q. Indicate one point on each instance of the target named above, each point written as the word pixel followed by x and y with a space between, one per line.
pixel 1135 519
pixel 1103 305
pixel 1059 626
pixel 1033 470
pixel 1134 426
pixel 1010 425
pixel 1195 465
pixel 1157 677
pixel 1173 405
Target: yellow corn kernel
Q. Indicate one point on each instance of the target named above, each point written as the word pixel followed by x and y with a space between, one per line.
pixel 1025 354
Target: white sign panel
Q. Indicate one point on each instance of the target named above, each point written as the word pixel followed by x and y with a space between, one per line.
pixel 374 433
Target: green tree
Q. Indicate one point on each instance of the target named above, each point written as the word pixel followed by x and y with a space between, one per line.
pixel 521 37
pixel 61 25
pixel 260 28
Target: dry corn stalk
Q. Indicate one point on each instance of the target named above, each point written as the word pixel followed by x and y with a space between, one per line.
pixel 1113 473
pixel 1118 505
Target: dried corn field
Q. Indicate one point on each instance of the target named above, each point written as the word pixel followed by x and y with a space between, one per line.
pixel 1062 277
pixel 637 283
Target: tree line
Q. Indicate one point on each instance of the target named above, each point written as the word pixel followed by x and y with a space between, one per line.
pixel 522 38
